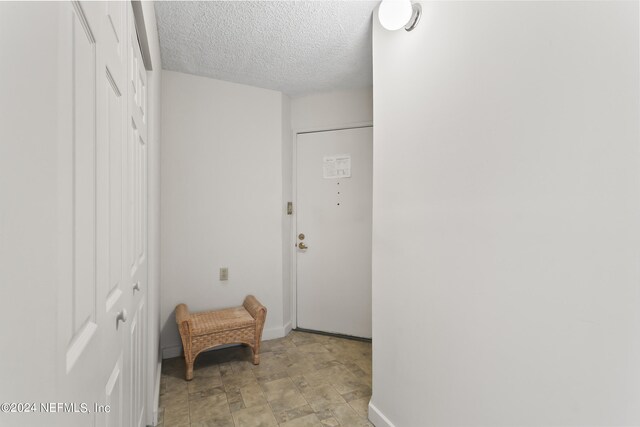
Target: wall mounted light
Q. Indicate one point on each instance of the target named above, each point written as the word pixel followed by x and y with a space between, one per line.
pixel 396 14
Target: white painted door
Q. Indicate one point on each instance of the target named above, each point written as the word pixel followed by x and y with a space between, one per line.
pixel 102 217
pixel 113 112
pixel 333 223
pixel 136 171
pixel 82 318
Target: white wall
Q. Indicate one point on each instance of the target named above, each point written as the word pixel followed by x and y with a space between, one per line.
pixel 28 205
pixel 153 292
pixel 332 109
pixel 507 216
pixel 221 199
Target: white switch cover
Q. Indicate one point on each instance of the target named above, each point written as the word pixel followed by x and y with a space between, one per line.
pixel 224 273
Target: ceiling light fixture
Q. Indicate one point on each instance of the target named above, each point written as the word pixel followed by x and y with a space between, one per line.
pixel 396 14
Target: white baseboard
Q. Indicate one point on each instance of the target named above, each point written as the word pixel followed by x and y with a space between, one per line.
pixel 267 334
pixel 156 396
pixel 288 327
pixel 273 333
pixel 172 351
pixel 377 418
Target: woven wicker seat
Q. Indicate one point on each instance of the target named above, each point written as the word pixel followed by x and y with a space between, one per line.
pixel 208 329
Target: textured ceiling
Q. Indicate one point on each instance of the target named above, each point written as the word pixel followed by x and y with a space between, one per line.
pixel 296 47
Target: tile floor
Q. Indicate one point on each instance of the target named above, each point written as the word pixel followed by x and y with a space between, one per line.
pixel 303 380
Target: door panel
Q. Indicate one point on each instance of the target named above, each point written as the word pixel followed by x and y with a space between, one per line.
pixel 115 140
pixel 114 398
pixel 136 352
pixel 78 315
pixel 114 300
pixel 84 173
pixel 334 214
pixel 137 217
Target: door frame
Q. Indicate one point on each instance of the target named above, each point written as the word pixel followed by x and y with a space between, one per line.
pixel 294 199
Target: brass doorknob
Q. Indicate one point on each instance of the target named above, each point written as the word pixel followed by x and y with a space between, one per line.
pixel 301 245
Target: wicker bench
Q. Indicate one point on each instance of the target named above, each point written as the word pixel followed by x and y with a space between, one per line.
pixel 208 329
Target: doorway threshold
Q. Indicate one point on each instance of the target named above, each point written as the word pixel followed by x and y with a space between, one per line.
pixel 331 334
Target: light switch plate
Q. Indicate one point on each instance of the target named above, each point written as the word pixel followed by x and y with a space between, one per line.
pixel 224 273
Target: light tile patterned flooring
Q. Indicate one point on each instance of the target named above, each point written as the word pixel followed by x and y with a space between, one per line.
pixel 303 379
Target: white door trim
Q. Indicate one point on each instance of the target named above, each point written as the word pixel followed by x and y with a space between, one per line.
pixel 294 197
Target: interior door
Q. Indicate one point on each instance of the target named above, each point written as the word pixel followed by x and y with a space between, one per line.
pixel 93 288
pixel 118 295
pixel 136 267
pixel 333 223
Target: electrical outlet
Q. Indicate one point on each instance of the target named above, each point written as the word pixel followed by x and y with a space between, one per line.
pixel 224 273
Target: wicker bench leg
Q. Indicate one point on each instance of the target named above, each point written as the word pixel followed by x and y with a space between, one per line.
pixel 256 354
pixel 189 373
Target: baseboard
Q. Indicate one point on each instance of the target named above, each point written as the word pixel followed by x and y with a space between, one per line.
pixel 273 333
pixel 377 418
pixel 156 396
pixel 267 334
pixel 171 351
pixel 288 327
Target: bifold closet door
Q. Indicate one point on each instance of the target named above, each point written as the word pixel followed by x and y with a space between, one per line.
pixel 102 215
